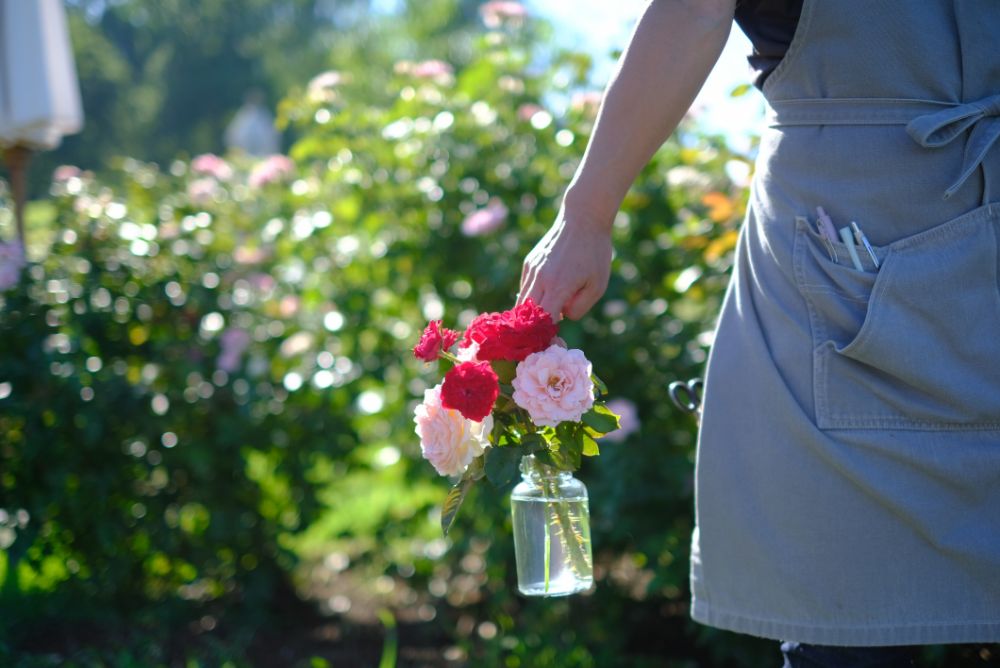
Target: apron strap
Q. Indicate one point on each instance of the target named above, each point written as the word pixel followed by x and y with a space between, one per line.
pixel 930 123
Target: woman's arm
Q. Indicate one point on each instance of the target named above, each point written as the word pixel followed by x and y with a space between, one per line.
pixel 672 51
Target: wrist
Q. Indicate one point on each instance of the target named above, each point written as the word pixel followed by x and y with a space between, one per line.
pixel 589 207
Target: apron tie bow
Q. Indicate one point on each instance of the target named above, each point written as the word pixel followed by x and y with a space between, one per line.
pixel 942 127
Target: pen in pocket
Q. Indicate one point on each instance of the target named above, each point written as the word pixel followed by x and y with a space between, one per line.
pixel 845 236
pixel 863 241
pixel 827 232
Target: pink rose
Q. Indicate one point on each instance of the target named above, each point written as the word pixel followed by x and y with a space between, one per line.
pixel 485 220
pixel 628 418
pixel 447 440
pixel 213 165
pixel 271 170
pixel 11 263
pixel 554 386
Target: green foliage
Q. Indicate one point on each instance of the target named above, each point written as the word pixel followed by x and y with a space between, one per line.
pixel 145 472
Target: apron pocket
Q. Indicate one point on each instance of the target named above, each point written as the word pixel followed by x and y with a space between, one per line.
pixel 915 345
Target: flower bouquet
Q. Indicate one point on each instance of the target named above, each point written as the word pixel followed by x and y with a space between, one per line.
pixel 516 395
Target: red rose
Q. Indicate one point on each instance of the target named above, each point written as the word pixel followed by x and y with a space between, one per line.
pixel 434 339
pixel 471 388
pixel 511 335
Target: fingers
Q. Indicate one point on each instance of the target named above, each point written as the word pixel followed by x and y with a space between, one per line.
pixel 578 305
pixel 552 303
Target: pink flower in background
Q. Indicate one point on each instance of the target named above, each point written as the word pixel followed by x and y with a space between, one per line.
pixel 289 306
pixel 11 263
pixel 431 69
pixel 628 418
pixel 436 70
pixel 586 103
pixel 554 386
pixel 271 170
pixel 64 173
pixel 527 110
pixel 249 255
pixel 496 12
pixel 202 191
pixel 261 282
pixel 212 165
pixel 486 220
pixel 232 343
pixel 447 440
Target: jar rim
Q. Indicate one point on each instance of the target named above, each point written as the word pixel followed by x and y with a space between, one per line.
pixel 532 467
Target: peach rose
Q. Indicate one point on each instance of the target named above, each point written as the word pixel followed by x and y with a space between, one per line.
pixel 447 440
pixel 554 386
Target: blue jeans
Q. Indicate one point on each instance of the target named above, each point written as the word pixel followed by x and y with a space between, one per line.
pixel 800 655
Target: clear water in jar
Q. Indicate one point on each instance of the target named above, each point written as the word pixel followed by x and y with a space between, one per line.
pixel 570 570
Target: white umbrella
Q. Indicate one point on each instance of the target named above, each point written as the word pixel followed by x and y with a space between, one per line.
pixel 39 92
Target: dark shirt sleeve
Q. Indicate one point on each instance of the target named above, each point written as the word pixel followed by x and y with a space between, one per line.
pixel 770 26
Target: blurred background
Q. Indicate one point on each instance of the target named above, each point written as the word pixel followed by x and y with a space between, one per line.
pixel 207 454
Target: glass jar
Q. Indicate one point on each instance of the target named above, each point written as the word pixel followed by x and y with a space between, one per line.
pixel 551 521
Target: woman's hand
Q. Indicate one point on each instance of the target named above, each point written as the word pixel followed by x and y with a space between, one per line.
pixel 568 270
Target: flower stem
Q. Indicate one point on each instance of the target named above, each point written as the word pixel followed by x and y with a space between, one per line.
pixel 577 557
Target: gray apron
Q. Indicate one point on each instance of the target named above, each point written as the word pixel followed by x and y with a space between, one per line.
pixel 848 472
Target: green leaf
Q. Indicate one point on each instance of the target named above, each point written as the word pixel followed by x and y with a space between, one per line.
pixel 567 451
pixel 453 502
pixel 501 464
pixel 498 431
pixel 534 442
pixel 505 370
pixel 590 447
pixel 602 419
pixel 476 470
pixel 740 91
pixel 602 389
